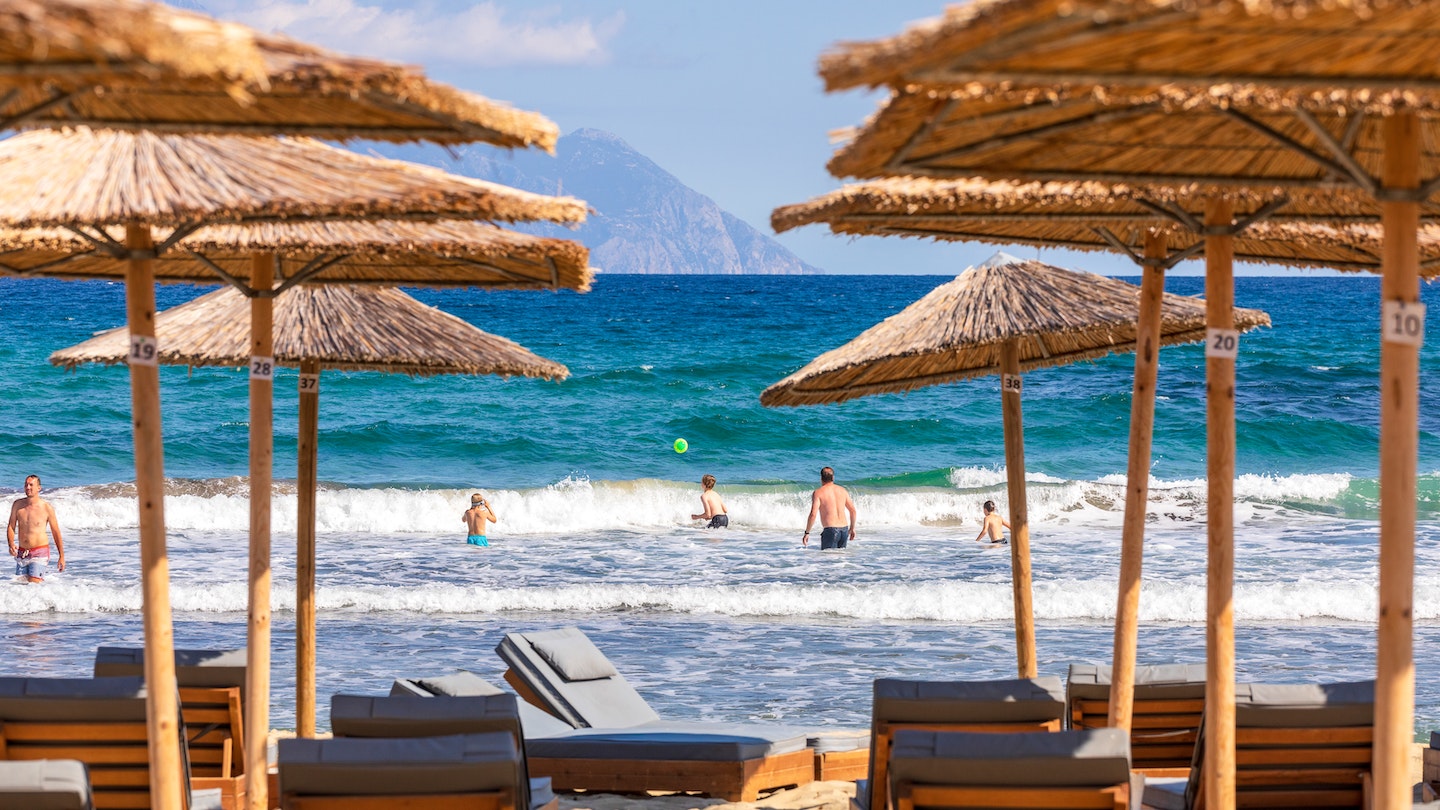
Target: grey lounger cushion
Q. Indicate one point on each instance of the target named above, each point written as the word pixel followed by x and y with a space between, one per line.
pixel 1089 758
pixel 45 784
pixel 1023 700
pixel 606 702
pixel 74 699
pixel 534 722
pixel 407 716
pixel 1435 739
pixel 200 668
pixel 1092 681
pixel 462 763
pixel 671 740
pixel 1304 705
pixel 827 741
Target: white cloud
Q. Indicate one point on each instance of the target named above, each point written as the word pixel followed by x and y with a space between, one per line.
pixel 484 34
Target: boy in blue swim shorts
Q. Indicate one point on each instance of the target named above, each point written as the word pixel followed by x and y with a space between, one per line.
pixel 475 518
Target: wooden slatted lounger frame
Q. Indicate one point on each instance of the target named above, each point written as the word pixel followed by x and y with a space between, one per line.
pixel 214 734
pixel 1269 759
pixel 116 754
pixel 884 740
pixel 1162 732
pixel 488 800
pixel 1116 797
pixel 842 766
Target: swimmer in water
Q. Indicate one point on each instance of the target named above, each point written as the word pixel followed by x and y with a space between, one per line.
pixel 991 525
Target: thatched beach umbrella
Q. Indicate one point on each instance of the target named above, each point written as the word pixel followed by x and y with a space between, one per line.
pixel 346 329
pixel 342 327
pixel 1294 94
pixel 140 65
pixel 1006 316
pixel 90 181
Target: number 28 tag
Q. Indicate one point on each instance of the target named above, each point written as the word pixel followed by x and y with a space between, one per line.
pixel 1403 322
pixel 1222 343
pixel 309 383
pixel 144 350
pixel 1010 383
pixel 262 368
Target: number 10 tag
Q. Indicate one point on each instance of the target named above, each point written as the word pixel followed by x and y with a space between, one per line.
pixel 309 383
pixel 262 368
pixel 1403 322
pixel 1222 343
pixel 1010 383
pixel 144 351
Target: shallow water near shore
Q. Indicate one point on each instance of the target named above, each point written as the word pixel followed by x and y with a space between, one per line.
pixel 743 623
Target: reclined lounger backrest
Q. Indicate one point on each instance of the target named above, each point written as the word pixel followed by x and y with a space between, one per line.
pixel 100 722
pixel 1169 702
pixel 1028 704
pixel 212 684
pixel 567 676
pixel 1024 770
pixel 442 772
pixel 534 722
pixel 1297 745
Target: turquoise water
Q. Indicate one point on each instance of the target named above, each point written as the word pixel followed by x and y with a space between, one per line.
pixel 594 502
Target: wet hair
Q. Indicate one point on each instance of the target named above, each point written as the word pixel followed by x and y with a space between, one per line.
pixel 32 475
pixel 989 507
pixel 827 475
pixel 708 481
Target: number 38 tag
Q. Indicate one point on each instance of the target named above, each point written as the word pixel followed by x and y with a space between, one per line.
pixel 144 350
pixel 1010 383
pixel 1222 343
pixel 262 368
pixel 1403 322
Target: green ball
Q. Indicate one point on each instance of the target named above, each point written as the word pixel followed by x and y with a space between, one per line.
pixel 681 445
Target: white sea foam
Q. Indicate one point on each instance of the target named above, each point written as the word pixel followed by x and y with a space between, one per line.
pixel 578 505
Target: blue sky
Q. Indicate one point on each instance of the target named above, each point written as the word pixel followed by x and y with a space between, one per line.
pixel 723 93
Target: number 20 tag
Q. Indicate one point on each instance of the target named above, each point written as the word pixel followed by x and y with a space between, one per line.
pixel 309 383
pixel 1222 343
pixel 1010 383
pixel 1403 322
pixel 144 350
pixel 262 368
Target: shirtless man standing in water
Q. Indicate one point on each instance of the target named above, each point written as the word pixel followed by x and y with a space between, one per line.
pixel 474 519
pixel 831 502
pixel 25 533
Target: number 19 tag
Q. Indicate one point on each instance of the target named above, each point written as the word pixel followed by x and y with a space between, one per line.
pixel 309 383
pixel 1222 343
pixel 144 351
pixel 262 368
pixel 1403 322
pixel 1010 383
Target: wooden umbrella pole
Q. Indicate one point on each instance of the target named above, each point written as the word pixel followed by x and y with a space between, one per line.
pixel 257 663
pixel 305 549
pixel 1402 332
pixel 1221 346
pixel 1010 384
pixel 1137 483
pixel 162 705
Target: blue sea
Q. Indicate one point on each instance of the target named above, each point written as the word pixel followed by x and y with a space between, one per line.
pixel 745 623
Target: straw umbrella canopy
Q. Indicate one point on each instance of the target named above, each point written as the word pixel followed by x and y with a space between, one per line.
pixel 1299 93
pixel 335 326
pixel 87 182
pixel 1006 316
pixel 140 65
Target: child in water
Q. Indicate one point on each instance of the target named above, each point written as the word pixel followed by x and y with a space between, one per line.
pixel 991 525
pixel 474 519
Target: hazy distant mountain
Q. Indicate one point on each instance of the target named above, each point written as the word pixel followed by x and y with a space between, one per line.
pixel 645 220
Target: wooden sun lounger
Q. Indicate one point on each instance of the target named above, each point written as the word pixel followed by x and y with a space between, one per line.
pixel 1169 702
pixel 454 772
pixel 976 706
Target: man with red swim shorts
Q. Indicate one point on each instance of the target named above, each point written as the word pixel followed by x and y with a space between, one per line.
pixel 25 533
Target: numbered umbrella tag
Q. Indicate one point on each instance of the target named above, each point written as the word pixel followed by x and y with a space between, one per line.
pixel 144 351
pixel 1010 383
pixel 1403 322
pixel 309 383
pixel 262 368
pixel 1222 343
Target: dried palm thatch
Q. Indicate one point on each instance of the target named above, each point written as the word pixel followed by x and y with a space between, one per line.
pixel 1096 216
pixel 955 332
pixel 1364 54
pixel 100 177
pixel 447 253
pixel 342 327
pixel 1057 135
pixel 136 65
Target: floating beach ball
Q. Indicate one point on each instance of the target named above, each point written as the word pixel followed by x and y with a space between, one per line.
pixel 681 445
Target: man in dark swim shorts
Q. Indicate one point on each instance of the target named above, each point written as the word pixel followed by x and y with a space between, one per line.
pixel 830 502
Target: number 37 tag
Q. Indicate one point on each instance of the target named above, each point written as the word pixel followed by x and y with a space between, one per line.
pixel 1403 322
